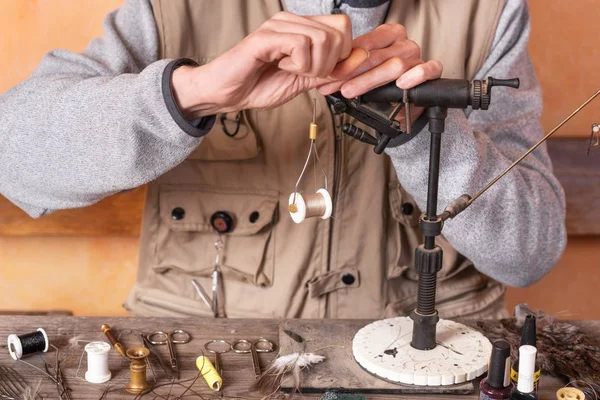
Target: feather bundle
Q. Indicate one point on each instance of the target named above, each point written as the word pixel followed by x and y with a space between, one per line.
pixel 564 350
pixel 289 365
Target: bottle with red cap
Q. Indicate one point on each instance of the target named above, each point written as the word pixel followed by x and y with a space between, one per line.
pixel 497 385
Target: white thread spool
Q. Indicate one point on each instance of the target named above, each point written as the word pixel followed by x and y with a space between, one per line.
pixel 97 357
pixel 303 211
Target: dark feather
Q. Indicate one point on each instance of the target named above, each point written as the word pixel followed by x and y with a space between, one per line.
pixel 294 336
pixel 564 350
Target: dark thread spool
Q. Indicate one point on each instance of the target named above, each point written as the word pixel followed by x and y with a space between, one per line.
pixel 29 343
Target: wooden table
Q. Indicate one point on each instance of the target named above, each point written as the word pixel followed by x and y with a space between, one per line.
pixel 237 369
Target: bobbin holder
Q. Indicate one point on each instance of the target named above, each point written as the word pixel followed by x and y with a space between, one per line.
pixel 372 109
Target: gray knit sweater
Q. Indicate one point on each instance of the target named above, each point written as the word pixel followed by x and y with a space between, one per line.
pixel 85 126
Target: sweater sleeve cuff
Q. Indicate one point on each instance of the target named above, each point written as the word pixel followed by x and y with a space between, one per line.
pixel 197 127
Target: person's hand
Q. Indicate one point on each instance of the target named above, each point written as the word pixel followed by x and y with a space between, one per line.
pixel 284 57
pixel 392 56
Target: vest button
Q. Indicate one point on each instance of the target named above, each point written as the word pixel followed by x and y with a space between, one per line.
pixel 178 213
pixel 254 217
pixel 348 279
pixel 407 208
pixel 221 222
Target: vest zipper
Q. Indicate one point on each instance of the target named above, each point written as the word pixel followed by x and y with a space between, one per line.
pixel 337 156
pixel 337 172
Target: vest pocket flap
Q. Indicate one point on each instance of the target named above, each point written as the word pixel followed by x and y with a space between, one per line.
pixel 185 239
pixel 191 208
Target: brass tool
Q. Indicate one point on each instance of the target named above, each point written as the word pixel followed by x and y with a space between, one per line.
pixel 113 340
pixel 137 381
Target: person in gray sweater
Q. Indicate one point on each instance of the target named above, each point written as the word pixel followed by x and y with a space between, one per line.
pixel 86 126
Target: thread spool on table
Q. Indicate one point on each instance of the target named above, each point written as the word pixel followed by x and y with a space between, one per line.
pixel 569 393
pixel 97 358
pixel 29 343
pixel 310 205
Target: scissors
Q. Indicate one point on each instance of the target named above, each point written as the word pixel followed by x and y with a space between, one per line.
pixel 176 336
pixel 218 347
pixel 244 346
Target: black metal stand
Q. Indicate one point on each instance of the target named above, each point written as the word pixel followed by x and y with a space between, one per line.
pixel 428 256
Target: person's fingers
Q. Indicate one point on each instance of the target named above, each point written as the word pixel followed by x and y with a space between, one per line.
pixel 402 49
pixel 323 56
pixel 347 67
pixel 381 37
pixel 333 44
pixel 292 50
pixel 380 75
pixel 341 23
pixel 420 73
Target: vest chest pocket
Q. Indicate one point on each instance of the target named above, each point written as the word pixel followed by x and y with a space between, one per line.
pixel 231 138
pixel 185 241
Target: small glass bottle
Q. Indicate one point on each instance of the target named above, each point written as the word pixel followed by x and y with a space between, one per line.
pixel 497 385
pixel 525 389
pixel 528 335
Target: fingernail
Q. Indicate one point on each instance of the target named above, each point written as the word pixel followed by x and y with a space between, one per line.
pixel 406 80
pixel 348 93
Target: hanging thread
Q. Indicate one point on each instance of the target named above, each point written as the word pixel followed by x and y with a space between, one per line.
pixel 310 205
pixel 97 359
pixel 318 204
pixel 29 343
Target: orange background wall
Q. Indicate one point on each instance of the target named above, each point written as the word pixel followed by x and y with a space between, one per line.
pixel 91 275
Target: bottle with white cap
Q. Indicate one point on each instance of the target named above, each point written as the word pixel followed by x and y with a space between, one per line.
pixel 525 388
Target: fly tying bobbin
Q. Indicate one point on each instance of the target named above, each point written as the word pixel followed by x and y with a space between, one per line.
pixel 29 343
pixel 319 204
pixel 97 358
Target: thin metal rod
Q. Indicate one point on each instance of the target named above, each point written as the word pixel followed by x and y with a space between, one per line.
pixel 482 191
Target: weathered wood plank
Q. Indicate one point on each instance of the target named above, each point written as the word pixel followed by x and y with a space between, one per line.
pixel 333 340
pixel 580 177
pixel 238 374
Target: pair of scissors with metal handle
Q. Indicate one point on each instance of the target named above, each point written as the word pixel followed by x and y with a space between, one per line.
pixel 176 336
pixel 244 346
pixel 218 347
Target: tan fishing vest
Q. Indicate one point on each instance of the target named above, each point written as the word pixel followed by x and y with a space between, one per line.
pixel 357 264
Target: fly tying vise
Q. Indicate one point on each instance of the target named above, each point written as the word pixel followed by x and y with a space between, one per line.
pixel 319 204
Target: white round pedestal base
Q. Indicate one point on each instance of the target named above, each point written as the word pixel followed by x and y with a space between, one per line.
pixel 383 349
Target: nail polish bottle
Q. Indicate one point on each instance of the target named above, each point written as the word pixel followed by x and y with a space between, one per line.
pixel 528 333
pixel 497 385
pixel 525 389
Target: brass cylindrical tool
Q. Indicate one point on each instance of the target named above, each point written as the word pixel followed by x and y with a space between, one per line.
pixel 137 381
pixel 113 340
